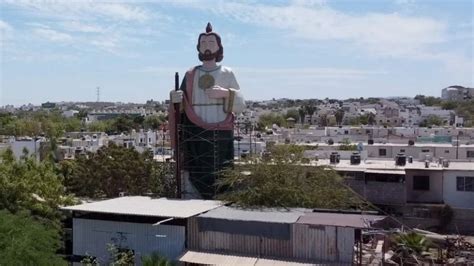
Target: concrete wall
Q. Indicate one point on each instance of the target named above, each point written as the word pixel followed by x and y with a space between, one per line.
pixel 453 197
pixel 435 192
pixel 387 193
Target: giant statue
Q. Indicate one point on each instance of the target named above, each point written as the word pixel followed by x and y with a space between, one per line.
pixel 209 97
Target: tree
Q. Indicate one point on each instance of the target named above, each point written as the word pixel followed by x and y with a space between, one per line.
pixel 323 120
pixel 302 114
pixel 33 186
pixel 432 120
pixel 26 241
pixel 153 122
pixel 268 120
pixel 371 119
pixel 115 169
pixel 293 113
pixel 282 181
pixel 101 126
pixel 339 116
pixel 123 123
pixel 310 110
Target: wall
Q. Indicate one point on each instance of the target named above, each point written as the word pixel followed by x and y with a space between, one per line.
pixel 92 237
pixel 327 244
pixel 236 243
pixel 389 193
pixel 453 197
pixel 307 243
pixel 435 192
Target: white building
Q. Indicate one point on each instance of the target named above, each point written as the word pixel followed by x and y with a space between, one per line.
pixel 457 93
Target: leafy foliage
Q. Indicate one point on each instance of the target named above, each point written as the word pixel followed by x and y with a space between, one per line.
pixel 347 146
pixel 268 120
pixel 432 120
pixel 30 185
pixel 282 181
pixel 120 257
pixel 155 259
pixel 115 169
pixel 26 241
pixel 413 241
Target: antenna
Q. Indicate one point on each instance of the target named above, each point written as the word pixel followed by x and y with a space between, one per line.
pixel 98 94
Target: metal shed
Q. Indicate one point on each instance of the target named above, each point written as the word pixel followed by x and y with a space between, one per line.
pixel 329 237
pixel 141 224
pixel 261 233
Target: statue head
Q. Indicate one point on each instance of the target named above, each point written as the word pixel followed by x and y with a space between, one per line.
pixel 210 46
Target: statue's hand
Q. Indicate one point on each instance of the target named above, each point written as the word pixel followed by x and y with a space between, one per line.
pixel 217 92
pixel 176 96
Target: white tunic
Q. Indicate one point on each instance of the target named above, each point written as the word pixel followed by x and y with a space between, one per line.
pixel 213 110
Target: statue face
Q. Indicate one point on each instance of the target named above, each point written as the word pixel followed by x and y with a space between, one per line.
pixel 208 45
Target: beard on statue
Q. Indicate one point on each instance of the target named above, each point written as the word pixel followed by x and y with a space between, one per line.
pixel 208 55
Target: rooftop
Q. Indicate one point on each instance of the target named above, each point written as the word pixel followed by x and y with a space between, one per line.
pixel 388 166
pixel 260 215
pixel 340 219
pixel 146 206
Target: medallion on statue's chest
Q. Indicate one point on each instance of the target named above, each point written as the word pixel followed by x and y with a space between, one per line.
pixel 206 81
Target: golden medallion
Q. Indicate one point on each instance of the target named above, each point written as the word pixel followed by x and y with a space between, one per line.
pixel 206 81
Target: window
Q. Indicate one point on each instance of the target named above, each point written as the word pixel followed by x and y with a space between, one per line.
pixel 470 154
pixel 465 183
pixel 382 152
pixel 346 132
pixel 421 182
pixel 446 151
pixel 425 150
pixel 402 150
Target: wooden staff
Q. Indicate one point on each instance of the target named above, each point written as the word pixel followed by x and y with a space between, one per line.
pixel 177 118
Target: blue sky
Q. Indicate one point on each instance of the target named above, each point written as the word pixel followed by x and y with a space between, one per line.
pixel 63 50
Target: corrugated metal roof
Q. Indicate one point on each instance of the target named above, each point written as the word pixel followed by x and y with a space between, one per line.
pixel 229 260
pixel 146 206
pixel 340 219
pixel 261 215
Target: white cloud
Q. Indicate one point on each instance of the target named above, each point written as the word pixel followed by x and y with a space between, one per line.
pixel 379 33
pixel 5 26
pixel 52 35
pixel 83 9
pixel 77 26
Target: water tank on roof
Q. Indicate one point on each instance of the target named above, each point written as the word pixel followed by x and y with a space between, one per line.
pixel 334 157
pixel 401 159
pixel 355 158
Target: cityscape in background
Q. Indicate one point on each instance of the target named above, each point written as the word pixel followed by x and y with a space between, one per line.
pixel 327 133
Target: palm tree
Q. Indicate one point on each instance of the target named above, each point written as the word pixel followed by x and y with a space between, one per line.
pixel 371 118
pixel 339 116
pixel 310 110
pixel 302 113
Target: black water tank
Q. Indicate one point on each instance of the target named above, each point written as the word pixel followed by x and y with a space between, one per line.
pixel 334 157
pixel 410 159
pixel 401 159
pixel 370 142
pixel 411 142
pixel 355 158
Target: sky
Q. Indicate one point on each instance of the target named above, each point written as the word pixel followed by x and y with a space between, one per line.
pixel 63 50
